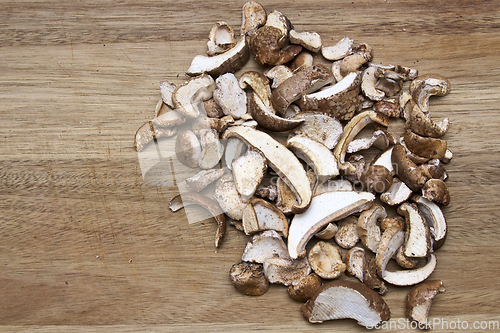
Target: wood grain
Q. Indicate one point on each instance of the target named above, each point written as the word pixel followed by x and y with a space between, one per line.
pixel 85 241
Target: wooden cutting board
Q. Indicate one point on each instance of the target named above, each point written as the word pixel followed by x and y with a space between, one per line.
pixel 87 245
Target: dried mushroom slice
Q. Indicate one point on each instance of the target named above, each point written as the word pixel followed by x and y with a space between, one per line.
pixel 305 289
pixel 326 260
pixel 367 226
pixel 423 146
pixel 342 49
pixel 260 215
pixel 166 90
pixel 310 40
pixel 436 190
pixel 347 234
pixel 419 300
pixel 318 126
pixel 355 262
pixel 188 149
pixel 248 172
pixel 398 193
pixel 204 178
pixel 187 97
pixel 342 299
pixel 370 278
pixel 228 197
pixel 211 149
pixel 285 271
pixel 220 38
pixel 249 279
pixel 230 96
pixel 253 17
pixel 406 169
pixel 417 237
pixel 265 245
pixel 425 86
pixel 267 119
pixel 435 219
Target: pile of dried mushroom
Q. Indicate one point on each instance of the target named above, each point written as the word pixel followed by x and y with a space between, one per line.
pixel 325 194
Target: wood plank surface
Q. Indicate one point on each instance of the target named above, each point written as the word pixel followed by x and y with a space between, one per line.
pixel 87 245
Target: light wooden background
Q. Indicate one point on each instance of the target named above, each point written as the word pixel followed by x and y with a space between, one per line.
pixel 85 242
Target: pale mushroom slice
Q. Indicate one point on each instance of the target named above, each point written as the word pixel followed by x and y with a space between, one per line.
pixel 188 148
pixel 285 271
pixel 338 51
pixel 326 260
pixel 353 127
pixel 166 90
pixel 148 133
pixel 425 86
pixel 302 82
pixel 181 200
pixel 333 185
pixel 385 159
pixel 316 155
pixel 265 245
pixel 417 236
pixel 267 118
pixel 278 74
pixel 368 82
pixel 220 38
pixel 340 100
pixel 253 17
pixel 211 149
pixel 167 119
pixel 379 139
pixel 248 172
pixel 368 229
pixel 327 232
pixel 435 219
pixel 310 40
pixel 260 215
pixel 229 61
pixel 286 198
pixel 187 97
pixel 204 178
pixel 347 235
pixel 319 126
pixel 412 276
pixel 327 207
pixel 355 262
pixel 302 61
pixel 259 83
pixel 280 159
pixel 234 149
pixel 228 197
pixel 343 299
pixel 398 193
pixel 229 95
pixel 419 300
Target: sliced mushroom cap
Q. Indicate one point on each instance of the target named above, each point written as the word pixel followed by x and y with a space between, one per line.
pixel 303 290
pixel 148 132
pixel 188 149
pixel 424 146
pixel 229 96
pixel 204 178
pixel 302 61
pixel 436 190
pixel 376 178
pixel 228 197
pixel 302 82
pixel 265 45
pixel 326 260
pixel 380 139
pixel 227 62
pixel 368 82
pixel 211 149
pixel 278 74
pixel 417 237
pixel 419 300
pixel 194 91
pixel 220 38
pixel 168 118
pixel 333 185
pixel 288 53
pixel 434 169
pixel 404 261
pixel 355 262
pixel 370 277
pixel 421 123
pixel 342 299
pixel 253 17
pixel 353 127
pixel 340 99
pixel 435 219
pixel 308 39
pixel 324 208
pixel 406 169
pixel 385 159
pixel 398 193
pixel 278 20
pixel 248 172
pixel 347 234
pixel 338 51
pixel 280 159
pixel 319 126
pixel 368 229
pixel 327 232
pixel 249 279
pixel 316 155
pixel 390 107
pixel 260 215
pixel 259 83
pixel 267 119
pixel 265 245
pixel 425 86
pixel 388 222
pixel 181 200
pixel 166 90
pixel 285 271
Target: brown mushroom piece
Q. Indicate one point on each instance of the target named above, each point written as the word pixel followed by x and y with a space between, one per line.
pixel 181 200
pixel 435 219
pixel 280 159
pixel 187 97
pixel 370 277
pixel 227 62
pixel 260 215
pixel 211 149
pixel 324 208
pixel 265 116
pixel 285 271
pixel 368 229
pixel 327 232
pixel 265 45
pixel 417 236
pixel 204 178
pixel 436 190
pixel 425 86
pixel 353 127
pixel 424 146
pixel 406 169
pixel 376 178
pixel 278 20
pixel 342 299
pixel 421 123
pixel 347 234
pixel 333 185
pixel 302 61
pixel 434 169
pixel 351 63
pixel 319 126
pixel 212 109
pixel 326 260
pixel 248 278
pixel 306 287
pixel 388 106
pixel 188 149
pixel 380 139
pixel 248 172
pixel 338 51
pixel 228 197
pixel 302 82
pixel 220 38
pixel 278 74
pixel 310 40
pixel 340 99
pixel 265 245
pixel 288 53
pixel 269 192
pixel 253 17
pixel 388 222
pixel 404 261
pixel 355 262
pixel 419 300
pixel 259 84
